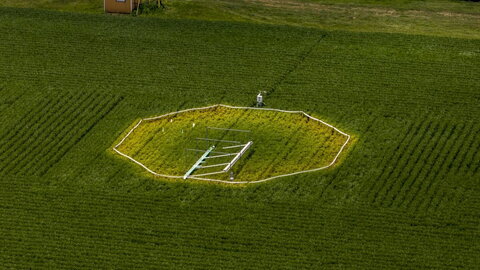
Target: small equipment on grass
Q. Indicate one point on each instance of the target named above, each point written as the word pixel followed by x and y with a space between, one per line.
pixel 260 100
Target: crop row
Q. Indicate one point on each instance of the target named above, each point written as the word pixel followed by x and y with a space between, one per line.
pixel 167 229
pixel 417 160
pixel 437 192
pixel 427 155
pixel 385 181
pixel 184 69
pixel 41 138
pixel 366 78
pixel 8 100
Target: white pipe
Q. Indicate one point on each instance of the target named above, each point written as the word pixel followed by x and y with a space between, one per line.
pixel 237 157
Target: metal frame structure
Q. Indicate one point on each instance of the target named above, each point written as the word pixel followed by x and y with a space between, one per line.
pixel 206 157
pixel 199 161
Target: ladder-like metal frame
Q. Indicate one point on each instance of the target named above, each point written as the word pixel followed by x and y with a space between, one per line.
pixel 218 154
pixel 228 165
pixel 199 161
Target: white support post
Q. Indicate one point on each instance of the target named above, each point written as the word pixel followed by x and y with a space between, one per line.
pixel 199 161
pixel 233 146
pixel 238 156
pixel 224 155
pixel 210 166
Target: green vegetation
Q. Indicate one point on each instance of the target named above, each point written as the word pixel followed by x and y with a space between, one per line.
pixel 93 6
pixel 407 195
pixel 452 18
pixel 439 18
pixel 283 143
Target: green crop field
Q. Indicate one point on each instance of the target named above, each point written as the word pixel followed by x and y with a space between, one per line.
pixel 405 195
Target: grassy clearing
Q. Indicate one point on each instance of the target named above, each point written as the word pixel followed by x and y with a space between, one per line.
pixel 90 6
pixel 406 195
pixel 447 18
pixel 438 18
pixel 283 142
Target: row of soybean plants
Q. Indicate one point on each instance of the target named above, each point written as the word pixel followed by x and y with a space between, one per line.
pixel 416 162
pixel 38 142
pixel 47 135
pixel 445 172
pixel 406 162
pixel 431 175
pixel 126 229
pixel 428 152
pixel 76 129
pixel 352 75
pixel 26 129
pixel 143 230
pixel 388 182
pixel 431 155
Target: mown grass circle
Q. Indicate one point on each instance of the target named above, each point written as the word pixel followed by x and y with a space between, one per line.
pixel 284 143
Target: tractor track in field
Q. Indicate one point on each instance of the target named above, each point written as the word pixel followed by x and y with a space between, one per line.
pixel 301 59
